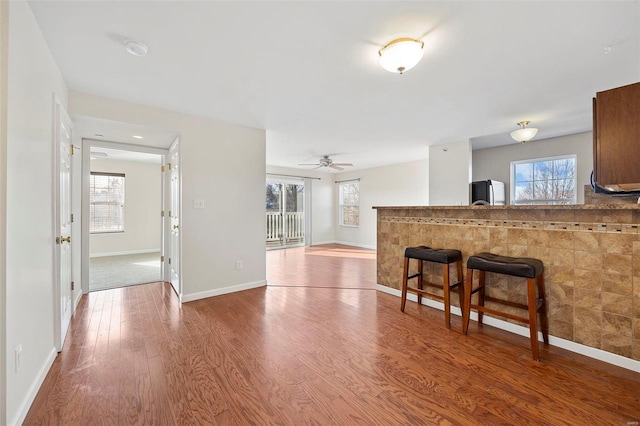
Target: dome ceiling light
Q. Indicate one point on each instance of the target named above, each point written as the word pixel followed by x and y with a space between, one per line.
pixel 401 54
pixel 136 48
pixel 524 134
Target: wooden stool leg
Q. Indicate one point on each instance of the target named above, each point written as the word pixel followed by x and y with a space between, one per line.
pixel 466 310
pixel 533 316
pixel 481 295
pixel 461 286
pixel 544 320
pixel 446 295
pixel 404 283
pixel 420 268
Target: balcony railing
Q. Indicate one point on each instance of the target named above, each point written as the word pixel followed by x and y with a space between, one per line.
pixel 294 226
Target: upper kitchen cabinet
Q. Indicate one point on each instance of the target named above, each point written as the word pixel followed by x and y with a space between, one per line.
pixel 616 138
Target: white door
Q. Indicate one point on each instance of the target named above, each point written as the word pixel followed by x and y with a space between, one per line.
pixel 63 223
pixel 174 216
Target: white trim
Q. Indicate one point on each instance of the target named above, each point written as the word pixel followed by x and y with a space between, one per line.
pixel 348 243
pixel 319 243
pixel 224 290
pixel 22 411
pixel 578 348
pixel 122 253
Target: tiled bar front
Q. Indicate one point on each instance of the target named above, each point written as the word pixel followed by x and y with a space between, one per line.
pixel 591 255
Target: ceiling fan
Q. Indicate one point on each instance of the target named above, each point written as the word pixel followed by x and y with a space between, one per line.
pixel 325 161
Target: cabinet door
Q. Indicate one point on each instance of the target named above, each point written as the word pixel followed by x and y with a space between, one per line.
pixel 617 136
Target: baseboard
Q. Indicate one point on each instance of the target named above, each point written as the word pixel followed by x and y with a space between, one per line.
pixel 578 348
pixel 220 291
pixel 123 253
pixel 33 389
pixel 319 243
pixel 348 243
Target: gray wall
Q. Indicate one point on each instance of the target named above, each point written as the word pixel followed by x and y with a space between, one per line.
pixel 495 163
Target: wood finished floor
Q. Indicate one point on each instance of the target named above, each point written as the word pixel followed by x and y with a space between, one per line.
pixel 327 265
pixel 300 355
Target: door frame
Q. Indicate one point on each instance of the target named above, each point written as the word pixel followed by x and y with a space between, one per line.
pixel 87 144
pixel 175 147
pixel 282 181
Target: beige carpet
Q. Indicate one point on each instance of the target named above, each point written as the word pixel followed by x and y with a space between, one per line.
pixel 122 271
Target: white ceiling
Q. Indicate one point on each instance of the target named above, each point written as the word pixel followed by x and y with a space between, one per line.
pixel 308 73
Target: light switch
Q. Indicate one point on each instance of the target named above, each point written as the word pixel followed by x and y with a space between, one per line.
pixel 198 204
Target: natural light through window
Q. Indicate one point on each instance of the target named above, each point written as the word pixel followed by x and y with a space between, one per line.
pixel 350 203
pixel 106 201
pixel 544 181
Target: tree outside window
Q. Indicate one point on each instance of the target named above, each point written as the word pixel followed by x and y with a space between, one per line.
pixel 544 181
pixel 106 202
pixel 350 203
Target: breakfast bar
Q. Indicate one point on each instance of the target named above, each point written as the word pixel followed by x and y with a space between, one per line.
pixel 590 252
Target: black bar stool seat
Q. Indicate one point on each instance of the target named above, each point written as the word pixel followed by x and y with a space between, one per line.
pixel 442 256
pixel 524 267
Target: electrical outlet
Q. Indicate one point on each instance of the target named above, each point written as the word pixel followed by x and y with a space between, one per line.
pixel 198 204
pixel 238 265
pixel 18 352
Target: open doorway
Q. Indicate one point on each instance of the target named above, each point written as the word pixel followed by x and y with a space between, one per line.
pixel 285 213
pixel 125 226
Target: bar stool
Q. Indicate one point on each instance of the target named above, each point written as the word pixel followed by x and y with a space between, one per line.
pixel 443 256
pixel 531 269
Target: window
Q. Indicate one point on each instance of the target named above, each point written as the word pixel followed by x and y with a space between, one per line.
pixel 544 181
pixel 106 202
pixel 350 203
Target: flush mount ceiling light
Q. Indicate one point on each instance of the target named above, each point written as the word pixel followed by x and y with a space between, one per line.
pixel 524 134
pixel 401 54
pixel 136 48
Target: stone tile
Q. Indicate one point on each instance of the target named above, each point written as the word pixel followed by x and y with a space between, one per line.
pixel 636 328
pixel 589 280
pixel 617 263
pixel 537 237
pixel 617 243
pixel 588 327
pixel 480 234
pixel 636 264
pixel 636 349
pixel 517 236
pixel 540 253
pixel 561 239
pixel 561 256
pixel 591 260
pixel 559 274
pixel 588 299
pixel 518 250
pixel 560 215
pixel 561 329
pixel 617 324
pixel 636 245
pixel 617 216
pixel 617 344
pixel 499 236
pixel 587 241
pixel 561 293
pixel 558 311
pixel 618 284
pixel 588 216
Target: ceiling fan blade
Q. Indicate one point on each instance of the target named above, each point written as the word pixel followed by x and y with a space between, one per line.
pixel 333 166
pixel 317 167
pixel 309 164
pixel 343 164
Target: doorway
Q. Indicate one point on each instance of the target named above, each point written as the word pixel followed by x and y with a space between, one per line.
pixel 285 213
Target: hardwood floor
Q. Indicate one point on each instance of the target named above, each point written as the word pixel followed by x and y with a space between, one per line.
pixel 312 355
pixel 327 265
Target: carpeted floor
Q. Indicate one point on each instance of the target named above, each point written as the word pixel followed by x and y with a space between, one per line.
pixel 121 271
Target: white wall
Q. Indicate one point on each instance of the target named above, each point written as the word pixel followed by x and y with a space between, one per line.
pixel 4 45
pixel 450 174
pixel 32 78
pixel 223 164
pixel 405 184
pixel 322 202
pixel 142 221
pixel 495 163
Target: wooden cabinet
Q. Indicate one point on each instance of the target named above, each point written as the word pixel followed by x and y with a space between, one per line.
pixel 616 137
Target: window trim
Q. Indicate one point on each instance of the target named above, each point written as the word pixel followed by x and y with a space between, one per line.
pixel 341 204
pixel 122 175
pixel 512 183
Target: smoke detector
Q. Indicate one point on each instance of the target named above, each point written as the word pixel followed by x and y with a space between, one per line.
pixel 136 48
